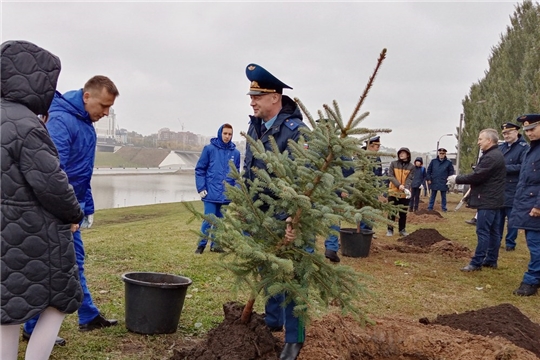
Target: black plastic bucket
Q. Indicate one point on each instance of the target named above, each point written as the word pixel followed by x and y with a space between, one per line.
pixel 355 244
pixel 154 301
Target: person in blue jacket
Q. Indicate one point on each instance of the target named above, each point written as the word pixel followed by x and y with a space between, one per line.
pixel 278 116
pixel 526 207
pixel 513 148
pixel 418 180
pixel 70 125
pixel 438 171
pixel 211 175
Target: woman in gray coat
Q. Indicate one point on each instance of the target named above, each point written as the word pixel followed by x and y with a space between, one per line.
pixel 39 210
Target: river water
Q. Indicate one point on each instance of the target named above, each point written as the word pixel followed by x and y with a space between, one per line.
pixel 112 191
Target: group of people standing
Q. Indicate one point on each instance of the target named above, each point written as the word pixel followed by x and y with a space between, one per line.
pixel 505 184
pixel 48 149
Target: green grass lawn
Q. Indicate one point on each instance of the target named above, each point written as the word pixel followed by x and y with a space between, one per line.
pixel 157 238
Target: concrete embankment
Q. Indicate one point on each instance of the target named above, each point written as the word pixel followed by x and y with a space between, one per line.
pixel 140 171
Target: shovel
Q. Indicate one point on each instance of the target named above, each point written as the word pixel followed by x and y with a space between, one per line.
pixel 460 204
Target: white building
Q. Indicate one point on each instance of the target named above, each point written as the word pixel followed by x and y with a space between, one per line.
pixel 106 127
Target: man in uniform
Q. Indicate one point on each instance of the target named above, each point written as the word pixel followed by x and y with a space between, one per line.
pixel 513 149
pixel 276 115
pixel 438 171
pixel 526 207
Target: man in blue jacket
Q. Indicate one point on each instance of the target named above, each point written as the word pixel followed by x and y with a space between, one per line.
pixel 211 175
pixel 438 171
pixel 274 115
pixel 70 124
pixel 418 179
pixel 513 149
pixel 526 208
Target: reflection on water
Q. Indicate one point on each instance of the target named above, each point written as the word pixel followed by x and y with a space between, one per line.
pixel 112 191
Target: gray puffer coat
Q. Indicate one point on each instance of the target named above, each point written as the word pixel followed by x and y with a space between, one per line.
pixel 38 204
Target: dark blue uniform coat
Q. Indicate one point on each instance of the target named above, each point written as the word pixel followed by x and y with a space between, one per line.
pixel 527 194
pixel 438 171
pixel 513 156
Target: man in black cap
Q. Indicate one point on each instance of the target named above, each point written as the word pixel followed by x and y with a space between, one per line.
pixel 438 171
pixel 278 116
pixel 513 149
pixel 526 207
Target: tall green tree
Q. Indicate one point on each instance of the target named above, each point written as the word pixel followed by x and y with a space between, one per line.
pixel 511 85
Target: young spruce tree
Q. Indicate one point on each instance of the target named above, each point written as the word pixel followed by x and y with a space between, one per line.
pixel 302 183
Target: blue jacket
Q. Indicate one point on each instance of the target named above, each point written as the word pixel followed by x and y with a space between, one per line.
pixel 513 157
pixel 527 194
pixel 438 172
pixel 285 128
pixel 213 167
pixel 419 176
pixel 74 136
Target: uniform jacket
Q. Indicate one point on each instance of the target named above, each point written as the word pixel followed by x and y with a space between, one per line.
pixel 438 171
pixel 487 181
pixel 400 173
pixel 285 128
pixel 38 204
pixel 213 166
pixel 527 194
pixel 513 156
pixel 75 138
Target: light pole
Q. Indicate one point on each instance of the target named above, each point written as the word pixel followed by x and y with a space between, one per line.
pixel 438 141
pixel 459 143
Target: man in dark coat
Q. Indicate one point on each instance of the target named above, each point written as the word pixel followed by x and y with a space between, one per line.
pixel 526 207
pixel 278 116
pixel 513 149
pixel 438 171
pixel 39 207
pixel 487 196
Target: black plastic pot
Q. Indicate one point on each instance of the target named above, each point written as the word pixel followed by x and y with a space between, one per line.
pixel 355 244
pixel 154 301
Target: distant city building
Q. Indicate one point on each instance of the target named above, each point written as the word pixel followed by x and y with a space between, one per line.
pixel 106 128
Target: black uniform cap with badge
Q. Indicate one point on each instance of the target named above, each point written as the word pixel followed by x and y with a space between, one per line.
pixel 530 121
pixel 262 82
pixel 509 126
pixel 376 140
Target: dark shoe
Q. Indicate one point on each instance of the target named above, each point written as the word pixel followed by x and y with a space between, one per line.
pixel 526 290
pixel 275 328
pixel 199 250
pixel 332 256
pixel 217 250
pixel 291 351
pixel 509 248
pixel 58 342
pixel 97 323
pixel 470 268
pixel 493 266
pixel 471 222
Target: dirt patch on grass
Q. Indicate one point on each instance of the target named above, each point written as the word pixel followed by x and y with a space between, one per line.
pixel 427 241
pixel 233 340
pixel 503 320
pixel 337 337
pixel 424 216
pixel 126 218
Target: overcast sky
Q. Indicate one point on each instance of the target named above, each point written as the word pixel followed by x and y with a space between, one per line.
pixel 182 65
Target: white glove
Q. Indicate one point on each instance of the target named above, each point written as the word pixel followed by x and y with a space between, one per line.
pixel 87 222
pixel 421 187
pixel 407 193
pixel 451 180
pixel 203 194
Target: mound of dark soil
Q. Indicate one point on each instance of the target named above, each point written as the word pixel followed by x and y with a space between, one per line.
pixel 503 320
pixel 423 238
pixel 428 212
pixel 233 340
pixel 425 241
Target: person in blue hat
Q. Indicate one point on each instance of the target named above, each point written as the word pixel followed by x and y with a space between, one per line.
pixel 274 115
pixel 438 171
pixel 513 149
pixel 211 173
pixel 526 207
